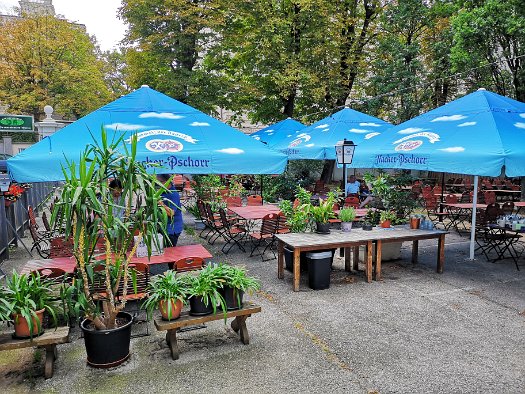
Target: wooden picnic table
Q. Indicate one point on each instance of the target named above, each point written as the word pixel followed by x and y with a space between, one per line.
pixel 48 340
pixel 255 212
pixel 171 254
pixel 185 320
pixel 337 239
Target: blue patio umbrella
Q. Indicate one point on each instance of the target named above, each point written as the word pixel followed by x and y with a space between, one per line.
pixel 318 140
pixel 174 135
pixel 477 134
pixel 275 133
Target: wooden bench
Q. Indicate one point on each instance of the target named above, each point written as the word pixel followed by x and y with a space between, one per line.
pixel 185 320
pixel 48 340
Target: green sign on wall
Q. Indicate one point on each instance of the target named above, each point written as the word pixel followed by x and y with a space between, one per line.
pixel 16 123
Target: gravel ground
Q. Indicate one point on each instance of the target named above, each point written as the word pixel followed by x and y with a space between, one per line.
pixel 415 331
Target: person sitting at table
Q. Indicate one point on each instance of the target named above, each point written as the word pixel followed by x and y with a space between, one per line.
pixel 352 186
pixel 171 203
pixel 119 206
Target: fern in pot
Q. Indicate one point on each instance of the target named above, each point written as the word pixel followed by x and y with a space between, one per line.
pixel 204 290
pixel 237 283
pixel 25 299
pixel 168 292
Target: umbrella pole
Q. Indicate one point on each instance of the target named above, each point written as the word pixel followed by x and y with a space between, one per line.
pixel 442 191
pixel 344 177
pixel 262 189
pixel 473 224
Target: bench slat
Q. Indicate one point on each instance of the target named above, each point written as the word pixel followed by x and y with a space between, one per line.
pixel 187 320
pixel 50 337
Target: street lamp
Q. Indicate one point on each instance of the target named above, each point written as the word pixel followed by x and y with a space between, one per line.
pixel 344 153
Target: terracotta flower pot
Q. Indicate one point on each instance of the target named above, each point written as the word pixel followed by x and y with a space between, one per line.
pixel 414 223
pixel 22 328
pixel 176 308
pixel 385 224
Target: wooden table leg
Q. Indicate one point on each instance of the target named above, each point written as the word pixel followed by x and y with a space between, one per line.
pixel 171 339
pixel 296 268
pixel 369 248
pixel 280 258
pixel 348 262
pixel 377 272
pixel 239 325
pixel 415 251
pixel 50 361
pixel 441 254
pixel 355 258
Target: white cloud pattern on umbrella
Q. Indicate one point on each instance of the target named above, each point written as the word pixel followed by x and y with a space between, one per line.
pixel 371 135
pixel 519 125
pixel 466 124
pixel 322 126
pixel 450 118
pixel 359 131
pixel 126 126
pixel 369 124
pixel 453 149
pixel 231 151
pixel 199 124
pixel 161 115
pixel 411 130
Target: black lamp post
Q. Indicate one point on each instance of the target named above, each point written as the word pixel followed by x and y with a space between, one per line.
pixel 344 153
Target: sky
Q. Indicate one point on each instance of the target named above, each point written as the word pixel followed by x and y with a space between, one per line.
pixel 99 16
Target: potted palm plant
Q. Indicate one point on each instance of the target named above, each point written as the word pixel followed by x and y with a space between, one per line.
pixel 237 283
pixel 204 290
pixel 168 292
pixel 90 215
pixel 347 216
pixel 25 299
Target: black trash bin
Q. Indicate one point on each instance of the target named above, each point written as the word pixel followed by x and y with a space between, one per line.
pixel 319 269
pixel 288 260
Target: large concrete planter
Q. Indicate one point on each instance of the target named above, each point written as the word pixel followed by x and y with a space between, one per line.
pixel 389 252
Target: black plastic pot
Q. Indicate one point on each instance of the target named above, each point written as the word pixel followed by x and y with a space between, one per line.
pixel 319 269
pixel 288 260
pixel 107 348
pixel 198 308
pixel 232 297
pixel 323 228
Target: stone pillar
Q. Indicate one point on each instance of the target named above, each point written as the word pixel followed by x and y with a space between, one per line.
pixel 49 125
pixel 7 145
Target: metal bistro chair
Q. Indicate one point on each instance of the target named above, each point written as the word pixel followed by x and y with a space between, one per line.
pixel 233 232
pixel 265 236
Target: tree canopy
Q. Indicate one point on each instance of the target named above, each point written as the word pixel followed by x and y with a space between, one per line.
pixel 45 60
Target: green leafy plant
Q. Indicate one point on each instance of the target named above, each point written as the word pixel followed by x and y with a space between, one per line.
pixel 194 210
pixel 323 212
pixel 347 214
pixel 207 284
pixel 88 213
pixel 237 278
pixel 387 215
pixel 24 295
pixel 297 218
pixel 389 188
pixel 372 216
pixel 166 287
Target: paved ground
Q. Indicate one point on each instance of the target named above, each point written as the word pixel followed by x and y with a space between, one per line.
pixel 416 331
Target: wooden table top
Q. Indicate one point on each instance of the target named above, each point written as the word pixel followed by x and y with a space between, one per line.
pixel 254 212
pixel 466 205
pixel 298 240
pixel 170 255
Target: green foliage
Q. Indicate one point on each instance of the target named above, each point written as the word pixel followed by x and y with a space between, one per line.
pixel 46 60
pixel 484 32
pixel 347 214
pixel 166 287
pixel 387 215
pixel 207 284
pixel 301 173
pixel 324 211
pixel 24 295
pixel 389 188
pixel 372 216
pixel 237 278
pixel 297 218
pixel 87 211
